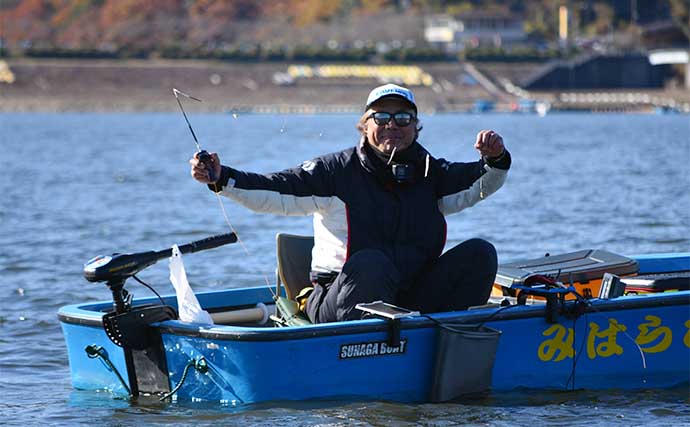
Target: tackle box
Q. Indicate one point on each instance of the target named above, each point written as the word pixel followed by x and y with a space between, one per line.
pixel 583 269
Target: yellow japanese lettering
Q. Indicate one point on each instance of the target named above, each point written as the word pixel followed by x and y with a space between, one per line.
pixel 608 347
pixel 686 339
pixel 653 338
pixel 559 346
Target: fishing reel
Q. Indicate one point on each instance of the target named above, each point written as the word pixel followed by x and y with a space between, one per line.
pixel 115 269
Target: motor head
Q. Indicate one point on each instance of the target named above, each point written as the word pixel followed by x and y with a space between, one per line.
pixel 117 267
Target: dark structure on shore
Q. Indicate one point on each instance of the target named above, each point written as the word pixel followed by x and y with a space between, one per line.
pixel 599 72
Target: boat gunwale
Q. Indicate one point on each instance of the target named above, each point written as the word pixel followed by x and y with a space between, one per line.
pixel 74 314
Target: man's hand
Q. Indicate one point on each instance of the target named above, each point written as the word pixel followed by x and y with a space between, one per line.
pixel 489 144
pixel 200 170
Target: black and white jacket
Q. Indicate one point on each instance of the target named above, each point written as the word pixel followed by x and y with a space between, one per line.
pixel 357 204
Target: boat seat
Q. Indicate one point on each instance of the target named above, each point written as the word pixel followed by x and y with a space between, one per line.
pixel 294 262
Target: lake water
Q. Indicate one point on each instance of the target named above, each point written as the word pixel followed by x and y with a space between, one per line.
pixel 78 185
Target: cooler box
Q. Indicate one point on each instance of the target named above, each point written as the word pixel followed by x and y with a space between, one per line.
pixel 583 269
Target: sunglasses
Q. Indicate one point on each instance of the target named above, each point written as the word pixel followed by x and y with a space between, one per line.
pixel 401 119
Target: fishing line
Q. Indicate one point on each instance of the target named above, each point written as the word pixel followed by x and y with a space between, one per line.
pixel 205 158
pixel 618 327
pixel 576 358
pixel 239 240
pixel 579 299
pixel 624 331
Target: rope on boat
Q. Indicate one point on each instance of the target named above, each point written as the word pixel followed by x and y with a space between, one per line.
pixel 199 364
pixel 94 351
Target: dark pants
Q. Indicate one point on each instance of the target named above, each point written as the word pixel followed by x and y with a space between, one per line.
pixel 460 278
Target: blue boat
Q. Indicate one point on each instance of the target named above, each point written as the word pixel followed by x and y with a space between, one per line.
pixel 483 106
pixel 537 339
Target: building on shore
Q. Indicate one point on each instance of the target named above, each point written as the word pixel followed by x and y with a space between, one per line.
pixel 454 33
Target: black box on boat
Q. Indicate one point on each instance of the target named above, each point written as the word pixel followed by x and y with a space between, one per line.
pixel 583 269
pixel 664 282
pixel 464 361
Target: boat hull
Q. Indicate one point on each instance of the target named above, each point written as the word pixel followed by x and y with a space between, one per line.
pixel 632 342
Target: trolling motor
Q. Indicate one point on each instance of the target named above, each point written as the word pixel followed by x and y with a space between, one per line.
pixel 115 269
pixel 129 327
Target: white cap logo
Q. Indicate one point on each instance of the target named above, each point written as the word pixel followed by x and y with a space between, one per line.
pixel 308 165
pixel 391 90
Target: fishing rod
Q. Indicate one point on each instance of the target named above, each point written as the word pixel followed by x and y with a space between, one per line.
pixel 206 159
pixel 202 155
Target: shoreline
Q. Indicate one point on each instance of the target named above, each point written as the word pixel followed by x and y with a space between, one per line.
pixel 55 85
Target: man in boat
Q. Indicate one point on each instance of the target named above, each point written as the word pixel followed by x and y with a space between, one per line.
pixel 378 209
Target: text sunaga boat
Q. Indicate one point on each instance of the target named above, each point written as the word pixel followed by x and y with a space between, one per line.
pixel 546 330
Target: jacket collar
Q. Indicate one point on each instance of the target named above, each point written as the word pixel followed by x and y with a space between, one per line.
pixel 375 165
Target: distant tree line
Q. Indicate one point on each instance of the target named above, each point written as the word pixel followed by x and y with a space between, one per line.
pixel 252 30
pixel 258 53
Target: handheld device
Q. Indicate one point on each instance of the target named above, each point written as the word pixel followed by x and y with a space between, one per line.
pixel 383 309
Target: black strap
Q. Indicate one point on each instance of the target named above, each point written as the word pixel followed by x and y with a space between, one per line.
pixel 323 278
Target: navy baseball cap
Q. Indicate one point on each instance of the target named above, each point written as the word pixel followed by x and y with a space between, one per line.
pixel 391 90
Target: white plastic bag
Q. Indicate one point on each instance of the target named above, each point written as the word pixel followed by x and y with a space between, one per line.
pixel 187 305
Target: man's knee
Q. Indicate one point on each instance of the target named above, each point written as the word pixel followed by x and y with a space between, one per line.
pixel 371 272
pixel 368 275
pixel 472 255
pixel 484 252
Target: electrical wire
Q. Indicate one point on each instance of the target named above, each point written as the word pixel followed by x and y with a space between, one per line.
pixel 150 288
